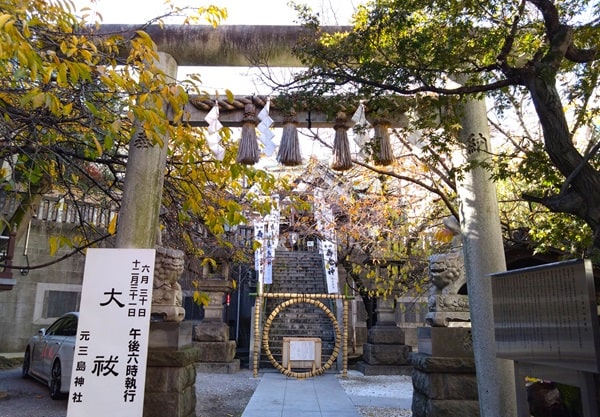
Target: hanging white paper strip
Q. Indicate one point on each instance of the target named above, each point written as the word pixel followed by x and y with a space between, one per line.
pixel 264 128
pixel 361 134
pixel 214 125
pixel 259 237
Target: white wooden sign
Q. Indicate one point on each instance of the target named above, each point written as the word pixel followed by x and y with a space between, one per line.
pixel 109 364
pixel 301 350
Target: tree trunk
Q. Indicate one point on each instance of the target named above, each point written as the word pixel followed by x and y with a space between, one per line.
pixel 582 197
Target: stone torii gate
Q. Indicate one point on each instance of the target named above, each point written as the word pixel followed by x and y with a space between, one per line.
pixel 243 45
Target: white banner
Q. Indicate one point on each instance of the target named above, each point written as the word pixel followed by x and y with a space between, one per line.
pixel 266 233
pixel 328 247
pixel 259 266
pixel 109 364
pixel 329 252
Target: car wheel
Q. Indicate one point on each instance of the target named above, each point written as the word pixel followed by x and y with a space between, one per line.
pixel 26 364
pixel 55 381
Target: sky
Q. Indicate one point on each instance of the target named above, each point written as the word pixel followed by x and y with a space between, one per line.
pixel 241 12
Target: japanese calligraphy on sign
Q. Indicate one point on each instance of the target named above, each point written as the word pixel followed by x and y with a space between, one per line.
pixel 266 233
pixel 109 364
pixel 328 247
pixel 548 314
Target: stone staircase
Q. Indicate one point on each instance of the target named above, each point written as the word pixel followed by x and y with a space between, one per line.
pixel 298 272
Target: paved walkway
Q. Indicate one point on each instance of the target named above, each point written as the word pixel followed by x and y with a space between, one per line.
pixel 280 396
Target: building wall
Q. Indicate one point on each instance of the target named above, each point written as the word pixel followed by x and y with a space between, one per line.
pixel 40 295
pixel 43 294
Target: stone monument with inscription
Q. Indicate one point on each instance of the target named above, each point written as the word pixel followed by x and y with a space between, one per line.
pixel 546 321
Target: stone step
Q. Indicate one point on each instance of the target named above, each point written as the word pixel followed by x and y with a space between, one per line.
pixel 299 273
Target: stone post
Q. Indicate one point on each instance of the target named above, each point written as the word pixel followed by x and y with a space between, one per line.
pixel 385 352
pixel 171 375
pixel 142 192
pixel 211 336
pixel 484 254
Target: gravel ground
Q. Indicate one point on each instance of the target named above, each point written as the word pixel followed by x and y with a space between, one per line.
pixel 224 395
pixel 380 388
pixel 218 395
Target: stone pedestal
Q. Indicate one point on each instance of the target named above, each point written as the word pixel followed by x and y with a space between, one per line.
pixel 453 342
pixel 444 380
pixel 211 336
pixel 385 352
pixel 171 374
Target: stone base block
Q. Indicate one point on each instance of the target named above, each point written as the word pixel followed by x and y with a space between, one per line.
pixel 386 354
pixel 170 335
pixel 7 284
pixel 167 312
pixel 170 383
pixel 425 407
pixel 456 342
pixel 211 332
pixel 445 386
pixel 370 370
pixel 436 364
pixel 385 335
pixel 218 367
pixel 169 379
pixel 170 357
pixel 216 351
pixel 170 404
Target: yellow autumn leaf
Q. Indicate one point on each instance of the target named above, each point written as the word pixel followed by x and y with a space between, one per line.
pixel 201 298
pixel 443 235
pixel 3 19
pixel 98 146
pixel 230 96
pixel 112 226
pixel 53 243
pixel 67 108
pixel 38 100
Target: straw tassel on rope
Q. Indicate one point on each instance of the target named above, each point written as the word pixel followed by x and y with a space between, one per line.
pixel 342 158
pixel 382 147
pixel 248 151
pixel 289 150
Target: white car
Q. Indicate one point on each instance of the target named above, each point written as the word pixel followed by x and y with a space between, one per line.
pixel 49 354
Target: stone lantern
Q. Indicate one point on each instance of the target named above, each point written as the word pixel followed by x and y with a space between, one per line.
pixel 211 335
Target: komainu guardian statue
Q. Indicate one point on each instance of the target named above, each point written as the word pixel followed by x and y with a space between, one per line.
pixel 448 302
pixel 166 294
